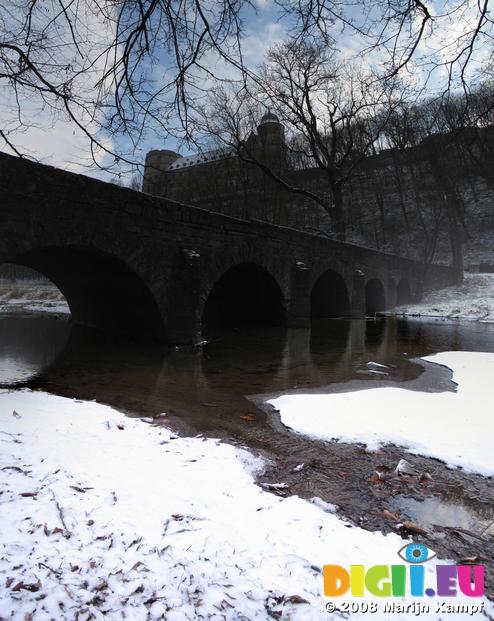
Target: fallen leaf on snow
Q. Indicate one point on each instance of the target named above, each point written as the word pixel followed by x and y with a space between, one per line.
pixel 295 599
pixel 24 586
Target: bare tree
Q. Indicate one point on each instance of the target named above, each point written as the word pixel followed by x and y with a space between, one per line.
pixel 113 65
pixel 333 115
pixel 445 142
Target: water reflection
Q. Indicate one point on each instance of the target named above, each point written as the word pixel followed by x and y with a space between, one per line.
pixel 206 387
pixel 28 346
pixel 445 512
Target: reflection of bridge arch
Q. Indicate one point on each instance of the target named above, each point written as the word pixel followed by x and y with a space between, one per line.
pixel 375 297
pixel 101 290
pixel 329 296
pixel 246 294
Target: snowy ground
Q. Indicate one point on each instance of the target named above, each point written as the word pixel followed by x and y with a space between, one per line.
pixel 473 300
pixel 108 517
pixel 456 427
pixel 31 296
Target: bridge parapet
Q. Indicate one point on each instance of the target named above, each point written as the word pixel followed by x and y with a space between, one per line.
pixel 139 264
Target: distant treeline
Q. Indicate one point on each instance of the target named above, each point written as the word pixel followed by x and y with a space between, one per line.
pixel 17 272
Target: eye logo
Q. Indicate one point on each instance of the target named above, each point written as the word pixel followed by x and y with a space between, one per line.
pixel 416 553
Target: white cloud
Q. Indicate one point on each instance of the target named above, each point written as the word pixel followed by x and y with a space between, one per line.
pixel 37 125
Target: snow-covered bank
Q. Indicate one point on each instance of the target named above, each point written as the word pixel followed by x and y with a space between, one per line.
pixel 473 300
pixel 31 296
pixel 456 427
pixel 108 517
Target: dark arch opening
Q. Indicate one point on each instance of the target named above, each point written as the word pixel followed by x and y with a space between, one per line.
pixel 101 290
pixel 403 292
pixel 246 295
pixel 375 298
pixel 329 297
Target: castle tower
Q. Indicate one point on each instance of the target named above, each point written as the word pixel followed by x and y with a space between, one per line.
pixel 272 145
pixel 157 162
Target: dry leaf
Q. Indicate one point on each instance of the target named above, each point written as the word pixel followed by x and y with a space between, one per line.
pixel 414 528
pixel 390 515
pixel 23 586
pixel 375 479
pixel 384 472
pixel 295 599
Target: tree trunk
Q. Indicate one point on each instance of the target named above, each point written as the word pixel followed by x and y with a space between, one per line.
pixel 453 210
pixel 338 213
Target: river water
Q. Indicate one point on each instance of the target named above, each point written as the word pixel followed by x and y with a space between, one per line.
pixel 206 388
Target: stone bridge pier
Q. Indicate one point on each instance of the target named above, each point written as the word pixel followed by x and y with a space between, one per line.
pixel 144 266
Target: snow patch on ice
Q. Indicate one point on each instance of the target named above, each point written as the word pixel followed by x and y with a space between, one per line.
pixel 456 427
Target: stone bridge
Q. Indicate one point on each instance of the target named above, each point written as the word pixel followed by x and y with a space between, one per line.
pixel 136 264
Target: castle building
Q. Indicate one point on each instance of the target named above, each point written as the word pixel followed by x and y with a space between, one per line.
pixel 221 181
pixel 391 202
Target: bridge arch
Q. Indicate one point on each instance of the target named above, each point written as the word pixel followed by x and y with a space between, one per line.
pixel 329 296
pixel 245 294
pixel 403 292
pixel 101 289
pixel 375 297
